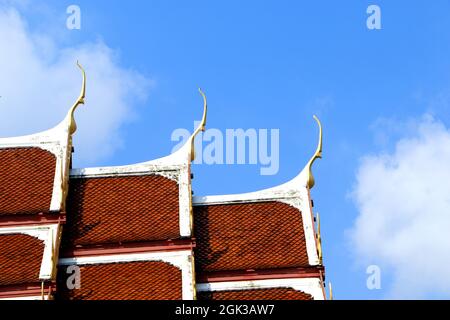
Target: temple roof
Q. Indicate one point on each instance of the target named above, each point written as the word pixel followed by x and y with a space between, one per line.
pixel 142 280
pixel 237 237
pixel 121 209
pixel 134 230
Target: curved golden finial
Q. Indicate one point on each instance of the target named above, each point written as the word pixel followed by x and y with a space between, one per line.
pixel 330 288
pixel 317 154
pixel 319 240
pixel 80 100
pixel 202 125
pixel 42 290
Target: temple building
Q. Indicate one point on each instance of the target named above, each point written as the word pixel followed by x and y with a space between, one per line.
pixel 136 231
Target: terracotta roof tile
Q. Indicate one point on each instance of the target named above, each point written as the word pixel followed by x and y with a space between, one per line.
pixel 147 280
pixel 121 209
pixel 26 180
pixel 255 294
pixel 249 236
pixel 20 259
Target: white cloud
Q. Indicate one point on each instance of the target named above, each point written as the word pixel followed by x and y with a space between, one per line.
pixel 39 81
pixel 403 200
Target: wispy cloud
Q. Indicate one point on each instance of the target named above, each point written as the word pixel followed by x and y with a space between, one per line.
pixel 403 198
pixel 39 82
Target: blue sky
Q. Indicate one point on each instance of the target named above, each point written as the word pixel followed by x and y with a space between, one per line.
pixel 267 64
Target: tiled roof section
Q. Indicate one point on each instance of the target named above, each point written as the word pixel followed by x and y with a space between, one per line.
pixel 20 259
pixel 121 209
pixel 255 294
pixel 26 180
pixel 246 236
pixel 144 280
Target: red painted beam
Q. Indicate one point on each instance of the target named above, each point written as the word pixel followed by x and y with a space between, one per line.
pixel 140 247
pixel 26 290
pixel 31 220
pixel 247 275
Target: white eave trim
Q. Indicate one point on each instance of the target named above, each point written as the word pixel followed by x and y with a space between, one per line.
pixel 241 198
pixel 289 190
pixel 123 171
pixel 172 162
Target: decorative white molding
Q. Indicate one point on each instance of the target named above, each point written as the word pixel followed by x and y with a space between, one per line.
pixel 47 233
pixel 310 286
pixel 289 191
pixel 169 172
pixel 181 259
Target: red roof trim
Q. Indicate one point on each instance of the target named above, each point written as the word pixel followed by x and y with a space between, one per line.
pixel 154 246
pixel 26 290
pixel 26 220
pixel 285 273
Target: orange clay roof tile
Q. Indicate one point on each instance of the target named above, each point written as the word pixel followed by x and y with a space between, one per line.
pixel 245 236
pixel 121 209
pixel 255 294
pixel 26 180
pixel 20 259
pixel 146 280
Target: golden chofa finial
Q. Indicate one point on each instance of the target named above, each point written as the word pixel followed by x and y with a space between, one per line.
pixel 42 290
pixel 330 288
pixel 202 125
pixel 319 240
pixel 80 100
pixel 317 154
